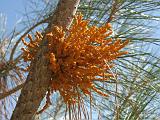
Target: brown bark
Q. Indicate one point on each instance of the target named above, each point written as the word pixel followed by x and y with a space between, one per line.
pixel 38 80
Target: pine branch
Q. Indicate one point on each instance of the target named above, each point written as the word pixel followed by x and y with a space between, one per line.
pixel 38 80
pixel 5 94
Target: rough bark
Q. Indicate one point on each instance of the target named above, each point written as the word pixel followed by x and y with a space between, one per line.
pixel 38 80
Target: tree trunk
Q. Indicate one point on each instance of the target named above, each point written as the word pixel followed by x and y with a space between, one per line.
pixel 38 80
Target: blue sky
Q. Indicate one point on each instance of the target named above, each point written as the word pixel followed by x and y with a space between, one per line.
pixel 12 9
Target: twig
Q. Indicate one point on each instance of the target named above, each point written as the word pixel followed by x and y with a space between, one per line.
pixel 18 87
pixel 113 11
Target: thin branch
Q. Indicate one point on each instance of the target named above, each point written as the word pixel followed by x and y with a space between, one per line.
pixel 8 93
pixel 113 11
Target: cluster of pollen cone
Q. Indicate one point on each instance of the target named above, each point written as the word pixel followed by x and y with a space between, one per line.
pixel 78 57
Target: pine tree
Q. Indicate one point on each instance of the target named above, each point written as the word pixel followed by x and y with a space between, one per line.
pixel 133 90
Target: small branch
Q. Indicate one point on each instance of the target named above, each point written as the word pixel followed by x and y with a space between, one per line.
pixel 3 95
pixel 113 11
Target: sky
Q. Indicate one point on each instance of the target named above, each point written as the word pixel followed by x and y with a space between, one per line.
pixel 12 10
